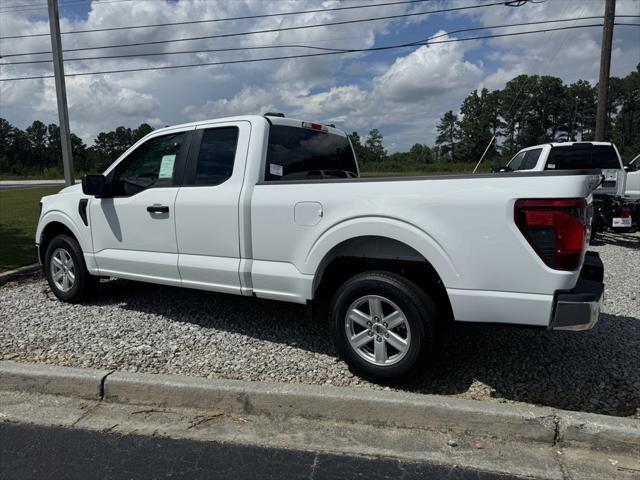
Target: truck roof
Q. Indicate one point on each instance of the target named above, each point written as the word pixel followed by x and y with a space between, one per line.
pixel 276 120
pixel 566 144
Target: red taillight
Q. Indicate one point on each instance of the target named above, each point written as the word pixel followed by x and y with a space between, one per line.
pixel 555 228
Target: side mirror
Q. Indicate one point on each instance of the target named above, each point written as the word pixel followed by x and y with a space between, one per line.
pixel 94 185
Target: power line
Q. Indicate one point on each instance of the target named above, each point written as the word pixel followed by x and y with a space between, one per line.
pixel 372 49
pixel 36 6
pixel 264 47
pixel 271 30
pixel 65 4
pixel 246 17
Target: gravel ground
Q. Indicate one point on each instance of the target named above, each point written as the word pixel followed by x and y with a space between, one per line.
pixel 148 328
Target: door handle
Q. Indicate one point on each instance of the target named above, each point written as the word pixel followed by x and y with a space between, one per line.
pixel 158 209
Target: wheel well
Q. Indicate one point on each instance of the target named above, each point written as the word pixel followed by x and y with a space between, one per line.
pixel 50 231
pixel 379 253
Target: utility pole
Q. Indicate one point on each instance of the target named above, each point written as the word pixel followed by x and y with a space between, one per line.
pixel 61 92
pixel 605 66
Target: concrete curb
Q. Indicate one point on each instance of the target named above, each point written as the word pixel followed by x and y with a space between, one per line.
pixel 11 274
pixel 430 412
pixel 330 403
pixel 66 381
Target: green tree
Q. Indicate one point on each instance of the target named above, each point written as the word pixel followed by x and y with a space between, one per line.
pixel 37 137
pixel 358 148
pixel 448 134
pixel 581 111
pixel 420 154
pixel 625 122
pixel 475 126
pixel 375 146
pixel 142 130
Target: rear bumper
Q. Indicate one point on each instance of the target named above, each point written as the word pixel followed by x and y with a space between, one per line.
pixel 579 309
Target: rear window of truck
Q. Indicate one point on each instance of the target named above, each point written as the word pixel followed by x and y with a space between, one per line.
pixel 296 153
pixel 578 157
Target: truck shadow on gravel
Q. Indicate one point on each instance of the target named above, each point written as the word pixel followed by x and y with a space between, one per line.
pixel 619 239
pixel 595 371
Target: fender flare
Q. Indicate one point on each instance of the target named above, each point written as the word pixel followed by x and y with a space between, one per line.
pixel 61 217
pixel 382 226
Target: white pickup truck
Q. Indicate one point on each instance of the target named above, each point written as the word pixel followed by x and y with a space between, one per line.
pixel 575 156
pixel 272 207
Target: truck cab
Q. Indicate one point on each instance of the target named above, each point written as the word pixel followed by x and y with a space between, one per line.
pixel 575 156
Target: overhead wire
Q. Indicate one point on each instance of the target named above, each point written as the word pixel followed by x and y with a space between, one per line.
pixel 226 19
pixel 254 60
pixel 264 47
pixel 270 30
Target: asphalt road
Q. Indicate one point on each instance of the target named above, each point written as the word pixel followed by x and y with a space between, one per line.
pixel 29 451
pixel 22 185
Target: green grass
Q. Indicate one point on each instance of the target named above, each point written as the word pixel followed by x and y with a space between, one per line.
pixel 19 213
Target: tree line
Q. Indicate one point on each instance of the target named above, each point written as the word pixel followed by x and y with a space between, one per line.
pixel 529 110
pixel 37 151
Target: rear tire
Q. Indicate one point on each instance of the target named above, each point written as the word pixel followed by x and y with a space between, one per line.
pixel 384 326
pixel 66 270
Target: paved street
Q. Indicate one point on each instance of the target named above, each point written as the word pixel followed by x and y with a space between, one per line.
pixel 28 451
pixel 23 184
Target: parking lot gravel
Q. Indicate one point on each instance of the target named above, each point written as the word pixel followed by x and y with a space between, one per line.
pixel 155 329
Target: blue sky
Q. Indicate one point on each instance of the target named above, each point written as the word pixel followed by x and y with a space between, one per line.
pixel 401 92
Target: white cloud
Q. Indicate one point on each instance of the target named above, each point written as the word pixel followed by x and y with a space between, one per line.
pixel 427 71
pixel 401 92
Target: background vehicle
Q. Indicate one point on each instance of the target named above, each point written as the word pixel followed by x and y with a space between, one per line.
pixel 575 156
pixel 272 207
pixel 633 179
pixel 611 209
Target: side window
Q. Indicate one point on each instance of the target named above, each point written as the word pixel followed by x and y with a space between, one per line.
pixel 216 156
pixel 516 162
pixel 531 159
pixel 149 165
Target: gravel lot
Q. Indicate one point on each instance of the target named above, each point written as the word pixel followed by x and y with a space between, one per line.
pixel 141 327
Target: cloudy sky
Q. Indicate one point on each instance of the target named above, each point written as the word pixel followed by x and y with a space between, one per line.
pixel 403 92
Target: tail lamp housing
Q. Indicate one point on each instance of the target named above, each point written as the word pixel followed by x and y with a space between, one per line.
pixel 625 212
pixel 555 228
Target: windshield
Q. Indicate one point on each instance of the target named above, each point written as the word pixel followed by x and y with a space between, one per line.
pixel 583 156
pixel 296 153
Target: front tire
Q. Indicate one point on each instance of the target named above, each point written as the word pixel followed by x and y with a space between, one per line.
pixel 384 326
pixel 66 271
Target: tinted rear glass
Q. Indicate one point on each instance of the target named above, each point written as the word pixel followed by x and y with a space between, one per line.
pixel 304 154
pixel 577 157
pixel 216 156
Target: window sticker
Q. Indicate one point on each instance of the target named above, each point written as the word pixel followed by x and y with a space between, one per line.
pixel 551 165
pixel 275 169
pixel 166 167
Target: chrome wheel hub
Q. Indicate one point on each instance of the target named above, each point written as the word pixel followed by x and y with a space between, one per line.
pixel 377 330
pixel 63 270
